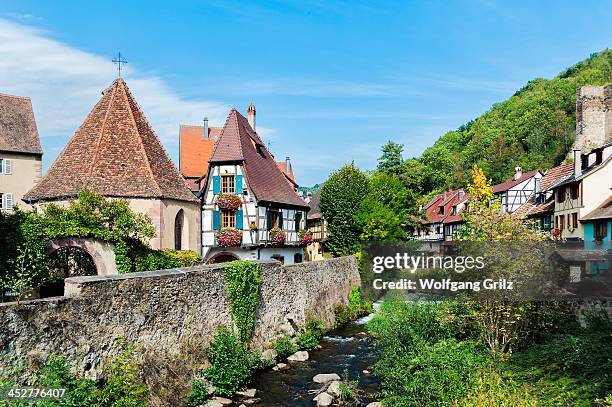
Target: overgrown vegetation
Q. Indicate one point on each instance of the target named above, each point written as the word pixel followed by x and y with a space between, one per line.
pixel 232 364
pixel 24 237
pixel 243 284
pixel 311 334
pixel 121 386
pixel 284 346
pixel 426 361
pixel 357 307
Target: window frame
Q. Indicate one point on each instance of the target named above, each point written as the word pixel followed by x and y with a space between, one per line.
pixel 228 219
pixel 228 184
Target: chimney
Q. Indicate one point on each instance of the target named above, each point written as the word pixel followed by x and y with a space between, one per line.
pixel 577 162
pixel 206 127
pixel 288 164
pixel 251 115
pixel 518 172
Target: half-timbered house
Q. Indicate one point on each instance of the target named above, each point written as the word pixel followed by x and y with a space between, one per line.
pixel 517 190
pixel 250 207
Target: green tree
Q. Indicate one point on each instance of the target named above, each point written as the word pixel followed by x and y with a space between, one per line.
pixel 391 158
pixel 341 195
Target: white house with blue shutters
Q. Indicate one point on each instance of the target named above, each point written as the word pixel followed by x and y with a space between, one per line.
pixel 240 165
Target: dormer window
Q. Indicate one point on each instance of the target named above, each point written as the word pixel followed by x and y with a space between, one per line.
pixel 441 210
pixel 454 210
pixel 260 151
pixel 598 156
pixel 584 162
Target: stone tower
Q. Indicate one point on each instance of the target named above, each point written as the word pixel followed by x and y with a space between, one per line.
pixel 593 117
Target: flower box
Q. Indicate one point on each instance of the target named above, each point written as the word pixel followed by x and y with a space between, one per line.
pixel 229 202
pixel 305 237
pixel 277 237
pixel 229 237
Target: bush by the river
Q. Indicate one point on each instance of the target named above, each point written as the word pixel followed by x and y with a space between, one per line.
pixel 433 353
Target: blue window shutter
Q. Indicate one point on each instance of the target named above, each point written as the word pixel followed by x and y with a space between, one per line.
pixel 216 184
pixel 239 223
pixel 216 220
pixel 238 184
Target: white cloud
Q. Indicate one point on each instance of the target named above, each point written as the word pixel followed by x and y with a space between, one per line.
pixel 64 83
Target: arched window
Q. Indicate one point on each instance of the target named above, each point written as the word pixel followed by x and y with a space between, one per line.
pixel 179 222
pixel 297 258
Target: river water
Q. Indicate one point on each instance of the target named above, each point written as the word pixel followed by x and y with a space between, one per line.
pixel 346 351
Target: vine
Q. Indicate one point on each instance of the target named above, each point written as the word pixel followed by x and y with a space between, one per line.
pixel 243 286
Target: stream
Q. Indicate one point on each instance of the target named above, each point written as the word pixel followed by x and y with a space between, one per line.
pixel 347 351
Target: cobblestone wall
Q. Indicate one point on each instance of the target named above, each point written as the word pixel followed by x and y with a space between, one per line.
pixel 161 309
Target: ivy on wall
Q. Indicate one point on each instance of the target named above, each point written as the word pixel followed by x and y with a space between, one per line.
pixel 243 286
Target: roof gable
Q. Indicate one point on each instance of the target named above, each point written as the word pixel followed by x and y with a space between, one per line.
pixel 511 183
pixel 239 142
pixel 18 131
pixel 115 152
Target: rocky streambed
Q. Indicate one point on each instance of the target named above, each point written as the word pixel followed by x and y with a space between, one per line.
pixel 344 359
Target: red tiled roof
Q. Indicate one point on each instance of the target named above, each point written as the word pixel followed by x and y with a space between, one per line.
pixel 315 210
pixel 114 153
pixel 239 143
pixel 448 199
pixel 18 132
pixel 289 174
pixel 195 149
pixel 506 185
pixel 554 175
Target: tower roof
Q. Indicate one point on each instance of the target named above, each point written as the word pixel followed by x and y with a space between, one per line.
pixel 238 142
pixel 18 132
pixel 115 152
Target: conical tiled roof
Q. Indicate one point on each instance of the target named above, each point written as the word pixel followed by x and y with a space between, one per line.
pixel 114 153
pixel 238 142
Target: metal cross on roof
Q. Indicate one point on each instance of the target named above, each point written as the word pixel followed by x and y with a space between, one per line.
pixel 119 61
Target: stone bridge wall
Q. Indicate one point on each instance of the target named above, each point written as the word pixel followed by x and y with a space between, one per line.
pixel 161 309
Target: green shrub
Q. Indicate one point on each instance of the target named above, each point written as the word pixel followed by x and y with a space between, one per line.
pixel 493 391
pixel 309 338
pixel 357 307
pixel 231 363
pixel 123 384
pixel 56 372
pixel 199 393
pixel 284 346
pixel 430 375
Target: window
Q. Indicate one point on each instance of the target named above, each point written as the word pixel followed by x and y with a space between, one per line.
pixel 584 162
pixel 1 165
pixel 600 230
pixel 274 219
pixel 228 184
pixel 504 201
pixel 575 220
pixel 6 166
pixel 561 194
pixel 6 201
pixel 228 219
pixel 441 210
pixel 297 258
pixel 561 222
pixel 598 156
pixel 298 221
pixel 454 210
pixel 575 191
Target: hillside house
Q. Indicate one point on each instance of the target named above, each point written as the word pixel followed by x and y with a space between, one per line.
pixel 598 227
pixel 250 206
pixel 442 207
pixel 20 151
pixel 116 154
pixel 579 193
pixel 317 226
pixel 517 190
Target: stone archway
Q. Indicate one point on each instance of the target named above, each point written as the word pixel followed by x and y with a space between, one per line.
pixel 102 253
pixel 222 257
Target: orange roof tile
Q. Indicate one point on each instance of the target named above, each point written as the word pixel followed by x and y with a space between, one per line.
pixel 195 149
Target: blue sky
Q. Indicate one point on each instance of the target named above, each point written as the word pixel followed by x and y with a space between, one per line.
pixel 332 81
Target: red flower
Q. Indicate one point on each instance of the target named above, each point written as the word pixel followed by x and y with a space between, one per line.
pixel 230 202
pixel 227 237
pixel 277 237
pixel 305 237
